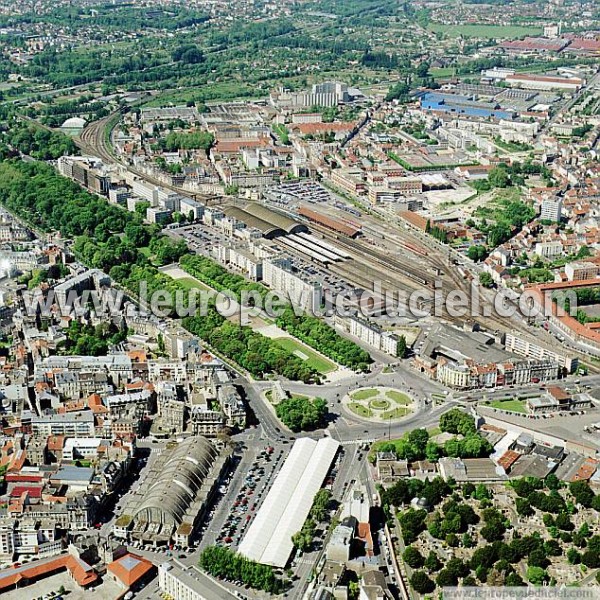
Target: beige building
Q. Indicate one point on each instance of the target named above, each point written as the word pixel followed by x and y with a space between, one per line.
pixel 576 271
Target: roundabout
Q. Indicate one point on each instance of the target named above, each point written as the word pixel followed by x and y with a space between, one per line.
pixel 379 404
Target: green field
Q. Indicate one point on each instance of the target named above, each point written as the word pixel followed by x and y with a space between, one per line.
pixel 507 32
pixel 399 397
pixel 365 394
pixel 512 405
pixel 314 360
pixel 360 410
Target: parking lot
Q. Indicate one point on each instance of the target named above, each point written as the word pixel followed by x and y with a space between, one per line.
pixel 250 495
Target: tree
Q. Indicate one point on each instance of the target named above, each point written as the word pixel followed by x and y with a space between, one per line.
pixel 446 578
pixel 514 580
pixel 582 493
pixel 523 507
pixel 499 178
pixel 482 492
pixel 432 562
pixel 591 559
pixel 485 278
pixel 413 558
pixel 573 556
pixel 141 208
pixel 301 541
pixel 412 523
pixel 401 347
pixel 468 489
pixel 321 505
pixel 457 568
pixel 493 531
pixel 536 575
pixel 188 54
pixel 538 558
pixel 485 556
pixel 399 91
pixel 563 522
pixel 477 252
pixel 302 414
pixel 421 583
pixel 457 421
pixel 226 564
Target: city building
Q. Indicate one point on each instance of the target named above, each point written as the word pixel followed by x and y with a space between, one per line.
pixel 189 583
pixel 551 209
pixel 529 347
pixel 300 289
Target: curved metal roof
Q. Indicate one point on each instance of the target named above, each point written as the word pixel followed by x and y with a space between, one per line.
pixel 279 220
pixel 252 221
pixel 268 221
pixel 180 479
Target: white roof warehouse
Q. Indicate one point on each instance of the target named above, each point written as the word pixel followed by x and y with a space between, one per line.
pixel 284 510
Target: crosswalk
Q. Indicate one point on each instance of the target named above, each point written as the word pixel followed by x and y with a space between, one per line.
pixel 355 442
pixel 157 451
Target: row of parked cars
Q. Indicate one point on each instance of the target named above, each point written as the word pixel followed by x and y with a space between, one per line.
pixel 249 496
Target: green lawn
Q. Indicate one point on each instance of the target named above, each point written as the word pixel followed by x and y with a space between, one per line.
pixel 441 72
pixel 398 397
pixel 379 404
pixel 360 410
pixel 395 413
pixel 189 283
pixel 365 394
pixel 485 31
pixel 512 405
pixel 314 360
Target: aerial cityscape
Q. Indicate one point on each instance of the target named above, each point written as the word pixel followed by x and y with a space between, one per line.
pixel 299 299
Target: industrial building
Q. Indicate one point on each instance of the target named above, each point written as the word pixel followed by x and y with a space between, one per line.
pixel 462 105
pixel 286 507
pixel 175 495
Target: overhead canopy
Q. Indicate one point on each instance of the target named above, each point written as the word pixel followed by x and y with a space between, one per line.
pixel 286 507
pixel 182 476
pixel 270 222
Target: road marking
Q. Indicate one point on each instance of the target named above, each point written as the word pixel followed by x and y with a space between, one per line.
pixel 354 442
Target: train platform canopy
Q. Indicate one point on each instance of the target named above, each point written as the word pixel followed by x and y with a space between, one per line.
pixel 337 225
pixel 286 507
pixel 271 223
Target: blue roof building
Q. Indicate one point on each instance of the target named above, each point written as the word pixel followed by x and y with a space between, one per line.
pixel 462 105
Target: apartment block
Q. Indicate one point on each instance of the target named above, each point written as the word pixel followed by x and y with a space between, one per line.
pixel 300 288
pixel 529 348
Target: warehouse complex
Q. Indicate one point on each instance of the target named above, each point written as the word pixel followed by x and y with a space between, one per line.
pixel 286 507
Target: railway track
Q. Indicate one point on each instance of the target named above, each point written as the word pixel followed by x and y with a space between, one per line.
pixel 361 251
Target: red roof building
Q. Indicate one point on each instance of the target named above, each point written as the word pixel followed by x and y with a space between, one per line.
pixel 130 569
pixel 82 573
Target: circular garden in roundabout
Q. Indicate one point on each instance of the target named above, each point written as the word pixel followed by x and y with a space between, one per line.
pixel 379 404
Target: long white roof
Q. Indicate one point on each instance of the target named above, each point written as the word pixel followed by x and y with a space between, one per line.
pixel 284 510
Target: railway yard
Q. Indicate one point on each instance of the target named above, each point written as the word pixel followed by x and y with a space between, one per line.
pixel 391 255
